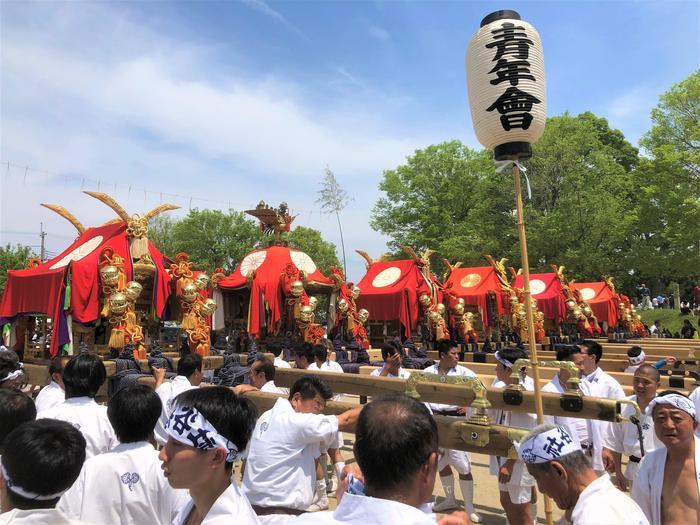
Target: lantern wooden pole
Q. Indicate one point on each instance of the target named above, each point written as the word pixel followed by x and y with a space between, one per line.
pixel 530 318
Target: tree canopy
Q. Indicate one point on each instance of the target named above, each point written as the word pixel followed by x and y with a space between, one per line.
pixel 13 258
pixel 598 206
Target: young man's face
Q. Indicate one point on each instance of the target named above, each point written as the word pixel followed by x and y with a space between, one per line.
pixel 315 405
pixel 184 466
pixel 502 372
pixel 450 358
pixel 644 384
pixel 588 363
pixel 672 425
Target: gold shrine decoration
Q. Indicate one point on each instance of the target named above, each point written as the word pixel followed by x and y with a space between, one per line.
pixel 66 215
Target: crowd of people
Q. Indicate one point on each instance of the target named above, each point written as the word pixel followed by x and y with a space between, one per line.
pixel 187 455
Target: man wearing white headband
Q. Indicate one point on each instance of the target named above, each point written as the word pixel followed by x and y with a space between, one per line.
pixel 41 461
pixel 634 438
pixel 516 486
pixel 562 471
pixel 11 371
pixel 459 459
pixel 636 358
pixel 206 430
pixel 667 487
pixel 695 398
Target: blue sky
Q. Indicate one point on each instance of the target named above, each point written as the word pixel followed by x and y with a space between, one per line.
pixel 233 102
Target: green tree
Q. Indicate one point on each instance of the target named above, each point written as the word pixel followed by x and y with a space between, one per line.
pixel 310 242
pixel 13 258
pixel 333 199
pixel 215 239
pixel 449 198
pixel 667 241
pixel 161 232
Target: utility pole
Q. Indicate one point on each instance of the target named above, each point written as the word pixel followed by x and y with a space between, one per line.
pixel 42 234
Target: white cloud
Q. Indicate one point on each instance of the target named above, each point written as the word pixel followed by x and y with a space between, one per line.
pixel 263 7
pixel 379 33
pixel 630 111
pixel 93 93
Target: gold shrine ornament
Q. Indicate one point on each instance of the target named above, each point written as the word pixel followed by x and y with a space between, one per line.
pixel 470 280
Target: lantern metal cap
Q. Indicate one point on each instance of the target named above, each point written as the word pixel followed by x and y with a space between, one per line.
pixel 512 150
pixel 500 15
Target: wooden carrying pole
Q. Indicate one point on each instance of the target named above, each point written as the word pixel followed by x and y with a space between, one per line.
pixel 530 316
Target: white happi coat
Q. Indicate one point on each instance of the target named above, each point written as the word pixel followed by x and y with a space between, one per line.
pixel 365 510
pixel 280 469
pixel 599 384
pixel 520 476
pixel 88 417
pixel 231 507
pixel 457 370
pixel 624 438
pixel 272 388
pixel 281 363
pixel 601 503
pixel 37 517
pixel 50 396
pixel 167 392
pixel 328 366
pixel 576 427
pixel 403 373
pixel 123 486
pixel 648 486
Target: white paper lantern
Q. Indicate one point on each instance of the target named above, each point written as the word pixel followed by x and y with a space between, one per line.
pixel 505 79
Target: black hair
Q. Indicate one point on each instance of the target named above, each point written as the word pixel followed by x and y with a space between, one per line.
pixel 634 351
pixel 512 353
pixel 58 364
pixel 389 349
pixel 305 351
pixel 309 387
pixel 232 416
pixel 669 392
pixel 15 408
pixel 44 457
pixel 566 352
pixel 394 437
pixel 657 322
pixel 133 412
pixel 649 369
pixel 320 353
pixel 267 367
pixel 274 347
pixel 445 346
pixel 9 362
pixel 189 364
pixel 83 376
pixel 594 348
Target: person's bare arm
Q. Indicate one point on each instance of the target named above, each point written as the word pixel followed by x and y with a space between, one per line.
pixel 348 419
pixel 159 375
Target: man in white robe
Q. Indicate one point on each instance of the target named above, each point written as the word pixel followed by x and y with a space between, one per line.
pixel 667 487
pixel 207 429
pixel 563 472
pixel 53 394
pixel 396 450
pixel 189 375
pixel 262 376
pixel 322 361
pixel 514 483
pixel 280 475
pixel 597 383
pixel 126 485
pixel 392 364
pixel 82 377
pixel 624 438
pixel 31 483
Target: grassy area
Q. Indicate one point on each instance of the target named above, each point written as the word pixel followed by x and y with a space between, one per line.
pixel 671 319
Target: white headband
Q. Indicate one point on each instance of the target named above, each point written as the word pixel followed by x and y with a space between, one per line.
pixel 191 428
pixel 637 360
pixel 13 487
pixel 14 374
pixel 547 446
pixel 676 400
pixel 503 361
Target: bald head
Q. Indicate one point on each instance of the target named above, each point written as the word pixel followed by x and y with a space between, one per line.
pixel 649 371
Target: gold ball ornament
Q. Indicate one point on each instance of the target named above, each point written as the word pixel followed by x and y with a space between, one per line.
pixel 133 290
pixel 587 310
pixel 441 309
pixel 313 302
pixel 190 292
pixel 118 303
pixel 208 306
pixel 343 305
pixel 571 304
pixel 458 309
pixel 109 275
pixel 306 313
pixel 424 300
pixel 434 316
pixel 201 281
pixel 363 315
pixel 356 292
pixel 296 288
